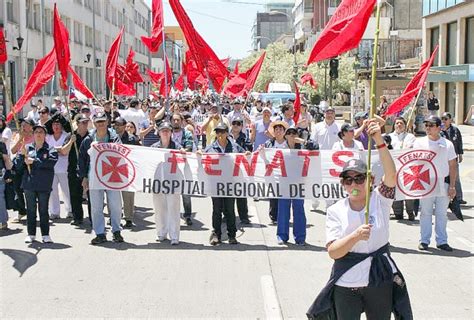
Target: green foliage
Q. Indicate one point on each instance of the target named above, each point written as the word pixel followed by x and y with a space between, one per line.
pixel 278 67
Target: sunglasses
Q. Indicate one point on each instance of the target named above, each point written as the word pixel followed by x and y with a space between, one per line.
pixel 236 123
pixel 430 125
pixel 444 119
pixel 221 131
pixel 43 112
pixel 358 179
pixel 292 133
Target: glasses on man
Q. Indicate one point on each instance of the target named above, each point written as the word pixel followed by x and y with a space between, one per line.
pixel 221 131
pixel 358 179
pixel 236 123
pixel 430 125
pixel 43 112
pixel 444 118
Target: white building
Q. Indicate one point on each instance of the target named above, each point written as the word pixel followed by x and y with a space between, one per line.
pixel 92 25
pixel 303 13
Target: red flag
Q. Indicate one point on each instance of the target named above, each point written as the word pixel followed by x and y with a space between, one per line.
pixel 153 42
pixel 193 75
pixel 344 31
pixel 251 74
pixel 42 73
pixel 225 62
pixel 112 57
pixel 308 78
pixel 79 84
pixel 132 69
pixel 155 77
pixel 169 76
pixel 413 87
pixel 203 55
pixel 179 84
pixel 61 46
pixel 297 105
pixel 235 87
pixel 124 89
pixel 3 48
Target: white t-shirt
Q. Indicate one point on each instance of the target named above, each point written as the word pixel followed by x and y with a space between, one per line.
pixel 136 116
pixel 325 135
pixel 7 139
pixel 444 149
pixel 283 145
pixel 61 165
pixel 341 221
pixel 402 140
pixel 356 145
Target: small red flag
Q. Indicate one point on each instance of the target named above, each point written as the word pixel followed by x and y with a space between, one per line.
pixel 236 68
pixel 413 87
pixel 112 57
pixel 168 74
pixel 61 46
pixel 251 74
pixel 153 42
pixel 179 84
pixel 308 78
pixel 235 87
pixel 297 105
pixel 225 62
pixel 132 69
pixel 155 77
pixel 343 31
pixel 43 72
pixel 3 48
pixel 80 85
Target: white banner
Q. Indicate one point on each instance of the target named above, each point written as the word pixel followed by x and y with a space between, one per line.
pixel 271 173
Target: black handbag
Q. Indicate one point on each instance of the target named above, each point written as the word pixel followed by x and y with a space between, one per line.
pixel 10 196
pixel 455 208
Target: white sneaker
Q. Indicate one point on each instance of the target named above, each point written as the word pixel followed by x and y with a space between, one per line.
pixel 160 238
pixel 47 239
pixel 30 239
pixel 174 242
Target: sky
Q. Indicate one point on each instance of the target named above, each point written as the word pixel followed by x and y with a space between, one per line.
pixel 226 26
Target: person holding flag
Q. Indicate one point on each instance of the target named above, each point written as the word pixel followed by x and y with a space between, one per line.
pixel 364 277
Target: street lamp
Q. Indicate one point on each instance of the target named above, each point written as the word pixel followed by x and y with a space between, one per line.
pixel 262 37
pixel 295 65
pixel 88 58
pixel 19 41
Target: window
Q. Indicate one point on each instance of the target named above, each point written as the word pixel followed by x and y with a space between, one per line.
pixel 88 32
pixel 114 16
pixel 434 43
pixel 29 14
pixel 120 19
pixel 12 11
pixel 452 46
pixel 78 2
pixel 48 18
pixel 79 71
pixel 107 10
pixel 107 43
pixel 89 78
pixel 97 7
pixel 67 23
pixel 37 17
pixel 469 42
pixel 97 40
pixel 77 32
pixel 88 4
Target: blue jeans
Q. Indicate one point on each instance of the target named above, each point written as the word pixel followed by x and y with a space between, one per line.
pixel 299 219
pixel 3 204
pixel 441 219
pixel 37 200
pixel 114 203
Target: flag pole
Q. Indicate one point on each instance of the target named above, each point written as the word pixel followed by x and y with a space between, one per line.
pixel 70 120
pixel 372 111
pixel 412 110
pixel 167 104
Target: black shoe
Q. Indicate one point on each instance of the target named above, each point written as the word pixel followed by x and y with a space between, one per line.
pixel 100 238
pixel 117 237
pixel 445 247
pixel 245 221
pixel 128 224
pixel 232 240
pixel 75 222
pixel 399 217
pixel 462 202
pixel 189 222
pixel 411 217
pixel 214 239
pixel 422 246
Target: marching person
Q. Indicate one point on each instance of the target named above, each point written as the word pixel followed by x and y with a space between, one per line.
pixel 5 133
pixel 101 134
pixel 5 177
pixel 304 122
pixel 347 142
pixel 166 205
pixel 33 113
pixel 43 115
pixel 364 276
pixel 148 134
pixel 128 197
pixel 239 112
pixel 447 170
pixel 259 131
pixel 222 205
pixel 453 134
pixel 433 104
pixel 184 138
pixel 401 139
pixel 241 139
pixel 214 119
pixel 58 139
pixel 134 113
pixel 38 174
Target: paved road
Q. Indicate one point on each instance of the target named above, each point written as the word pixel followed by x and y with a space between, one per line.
pixel 256 279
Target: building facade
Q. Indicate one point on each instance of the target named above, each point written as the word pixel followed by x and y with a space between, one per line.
pixel 303 13
pixel 92 25
pixel 175 50
pixel 450 24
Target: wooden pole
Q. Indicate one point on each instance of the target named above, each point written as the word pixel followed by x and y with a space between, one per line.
pixel 371 112
pixel 412 111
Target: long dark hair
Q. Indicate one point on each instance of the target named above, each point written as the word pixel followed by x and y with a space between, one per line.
pixel 4 124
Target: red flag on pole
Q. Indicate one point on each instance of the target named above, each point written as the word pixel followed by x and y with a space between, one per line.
pixel 308 78
pixel 3 48
pixel 203 55
pixel 343 31
pixel 297 105
pixel 61 46
pixel 155 77
pixel 112 57
pixel 179 84
pixel 235 87
pixel 79 84
pixel 225 62
pixel 169 76
pixel 413 87
pixel 251 74
pixel 42 73
pixel 132 69
pixel 153 42
pixel 236 68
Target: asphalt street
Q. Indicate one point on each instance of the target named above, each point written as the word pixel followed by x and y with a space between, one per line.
pixel 255 279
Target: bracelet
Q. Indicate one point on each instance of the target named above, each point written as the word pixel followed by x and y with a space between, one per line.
pixel 380 146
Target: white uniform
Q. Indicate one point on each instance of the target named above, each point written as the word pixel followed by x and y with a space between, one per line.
pixel 60 179
pixel 137 116
pixel 325 135
pixel 402 140
pixel 356 146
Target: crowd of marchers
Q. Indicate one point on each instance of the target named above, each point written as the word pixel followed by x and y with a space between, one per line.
pixel 47 161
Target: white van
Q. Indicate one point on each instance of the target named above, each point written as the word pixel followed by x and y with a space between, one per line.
pixel 275 87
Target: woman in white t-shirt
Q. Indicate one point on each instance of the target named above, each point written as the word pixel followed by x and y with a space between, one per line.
pixel 347 142
pixel 364 275
pixel 6 133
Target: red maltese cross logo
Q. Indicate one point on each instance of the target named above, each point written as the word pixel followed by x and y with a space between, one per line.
pixel 115 169
pixel 418 175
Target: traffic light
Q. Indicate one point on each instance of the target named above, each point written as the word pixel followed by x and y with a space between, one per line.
pixel 333 65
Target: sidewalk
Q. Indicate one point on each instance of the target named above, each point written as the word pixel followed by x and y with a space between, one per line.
pixel 467 133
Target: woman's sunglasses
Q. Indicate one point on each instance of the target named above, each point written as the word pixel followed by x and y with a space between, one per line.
pixel 358 179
